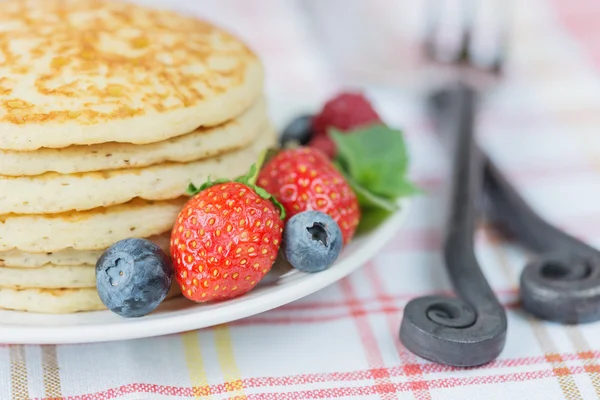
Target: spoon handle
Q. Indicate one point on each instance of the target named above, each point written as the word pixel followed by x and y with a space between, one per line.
pixel 469 330
pixel 561 285
pixel 513 216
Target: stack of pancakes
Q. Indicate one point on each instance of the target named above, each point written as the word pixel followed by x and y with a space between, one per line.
pixel 108 111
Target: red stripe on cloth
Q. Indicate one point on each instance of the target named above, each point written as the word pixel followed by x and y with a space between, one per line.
pixel 358 313
pixel 408 359
pixel 442 383
pixel 370 346
pixel 429 239
pixel 581 19
pixel 356 310
pixel 302 305
pixel 396 371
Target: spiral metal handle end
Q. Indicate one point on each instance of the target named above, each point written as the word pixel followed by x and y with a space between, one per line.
pixel 562 288
pixel 449 331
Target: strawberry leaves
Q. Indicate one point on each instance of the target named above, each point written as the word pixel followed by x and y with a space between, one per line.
pixel 374 160
pixel 249 180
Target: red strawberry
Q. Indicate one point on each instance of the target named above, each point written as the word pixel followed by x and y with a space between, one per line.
pixel 225 241
pixel 345 112
pixel 304 179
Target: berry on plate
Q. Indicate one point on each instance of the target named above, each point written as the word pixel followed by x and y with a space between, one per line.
pixel 312 241
pixel 133 277
pixel 325 144
pixel 225 239
pixel 344 112
pixel 305 179
pixel 298 131
pixel 367 174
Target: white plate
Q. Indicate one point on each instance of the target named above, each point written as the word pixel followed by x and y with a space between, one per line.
pixel 280 287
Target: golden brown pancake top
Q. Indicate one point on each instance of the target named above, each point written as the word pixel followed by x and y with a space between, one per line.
pixel 92 61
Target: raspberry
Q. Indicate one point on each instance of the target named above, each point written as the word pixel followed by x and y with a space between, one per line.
pixel 325 144
pixel 345 112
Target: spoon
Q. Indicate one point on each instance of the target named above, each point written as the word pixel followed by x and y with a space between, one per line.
pixel 561 283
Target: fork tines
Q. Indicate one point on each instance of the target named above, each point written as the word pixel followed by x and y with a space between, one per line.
pixel 472 34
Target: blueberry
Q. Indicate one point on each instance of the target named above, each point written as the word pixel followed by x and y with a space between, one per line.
pixel 133 277
pixel 299 131
pixel 312 241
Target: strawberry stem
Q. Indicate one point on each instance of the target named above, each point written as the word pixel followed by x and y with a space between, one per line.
pixel 252 175
pixel 249 180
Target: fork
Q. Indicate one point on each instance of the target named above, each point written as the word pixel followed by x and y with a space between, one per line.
pixel 562 281
pixel 469 330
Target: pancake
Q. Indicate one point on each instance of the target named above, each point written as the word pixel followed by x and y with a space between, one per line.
pixel 88 230
pixel 56 193
pixel 94 71
pixel 200 144
pixel 57 301
pixel 50 301
pixel 21 259
pixel 49 277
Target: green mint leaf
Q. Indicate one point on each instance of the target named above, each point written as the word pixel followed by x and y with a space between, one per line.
pixel 407 188
pixel 371 218
pixel 376 158
pixel 365 198
pixel 368 199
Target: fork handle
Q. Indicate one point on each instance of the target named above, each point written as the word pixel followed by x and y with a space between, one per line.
pixel 469 330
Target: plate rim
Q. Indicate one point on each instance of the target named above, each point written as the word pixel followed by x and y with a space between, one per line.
pixel 147 328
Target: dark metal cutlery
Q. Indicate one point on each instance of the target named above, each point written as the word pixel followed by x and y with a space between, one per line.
pixel 469 330
pixel 562 283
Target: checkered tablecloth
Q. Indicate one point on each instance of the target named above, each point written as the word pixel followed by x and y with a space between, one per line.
pixel 541 125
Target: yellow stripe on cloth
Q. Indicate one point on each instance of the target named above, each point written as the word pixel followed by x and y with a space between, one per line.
pixel 18 373
pixel 195 364
pixel 231 373
pixel 586 355
pixel 576 337
pixel 559 367
pixel 52 387
pixel 563 374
